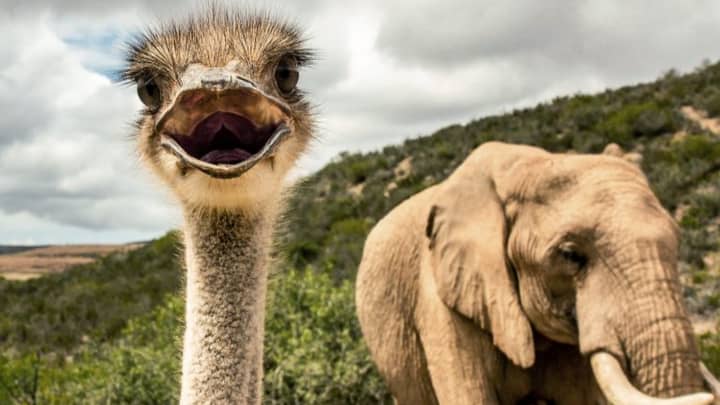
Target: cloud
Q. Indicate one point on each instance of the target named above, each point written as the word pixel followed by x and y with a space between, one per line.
pixel 387 70
pixel 611 35
pixel 66 159
pixel 430 32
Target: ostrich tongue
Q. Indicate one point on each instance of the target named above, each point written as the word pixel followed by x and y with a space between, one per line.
pixel 224 138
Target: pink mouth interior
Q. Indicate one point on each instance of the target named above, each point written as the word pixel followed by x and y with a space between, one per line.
pixel 224 138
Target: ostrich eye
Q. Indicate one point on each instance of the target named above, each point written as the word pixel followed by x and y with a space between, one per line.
pixel 149 93
pixel 569 253
pixel 286 76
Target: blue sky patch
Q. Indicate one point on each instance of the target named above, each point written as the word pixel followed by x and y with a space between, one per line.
pixel 102 53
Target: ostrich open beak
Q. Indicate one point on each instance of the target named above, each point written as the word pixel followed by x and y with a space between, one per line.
pixel 221 123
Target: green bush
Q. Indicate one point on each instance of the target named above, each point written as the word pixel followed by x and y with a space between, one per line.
pixel 59 312
pixel 636 120
pixel 709 344
pixel 714 301
pixel 344 243
pixel 141 367
pixel 19 379
pixel 711 104
pixel 695 147
pixel 314 354
pixel 587 117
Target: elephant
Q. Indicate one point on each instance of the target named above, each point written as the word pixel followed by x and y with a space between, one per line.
pixel 530 277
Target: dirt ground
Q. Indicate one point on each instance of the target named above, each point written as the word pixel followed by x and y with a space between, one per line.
pixel 53 259
pixel 700 117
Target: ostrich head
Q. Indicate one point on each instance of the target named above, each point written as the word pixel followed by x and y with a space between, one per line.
pixel 224 118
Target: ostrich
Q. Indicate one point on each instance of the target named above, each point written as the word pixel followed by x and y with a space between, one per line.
pixel 223 123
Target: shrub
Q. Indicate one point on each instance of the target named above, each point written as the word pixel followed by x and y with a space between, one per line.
pixel 140 368
pixel 344 243
pixel 709 344
pixel 652 122
pixel 636 120
pixel 314 354
pixel 711 104
pixel 56 313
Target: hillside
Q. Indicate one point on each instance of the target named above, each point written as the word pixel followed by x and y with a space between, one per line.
pixel 665 121
pixel 9 249
pixel 108 332
pixel 56 313
pixel 26 262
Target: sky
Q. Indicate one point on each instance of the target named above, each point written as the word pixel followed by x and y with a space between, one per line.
pixel 387 71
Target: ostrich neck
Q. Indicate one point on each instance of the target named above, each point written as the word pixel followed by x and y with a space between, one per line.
pixel 226 254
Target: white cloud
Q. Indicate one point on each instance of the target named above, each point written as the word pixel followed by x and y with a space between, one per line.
pixel 68 166
pixel 387 71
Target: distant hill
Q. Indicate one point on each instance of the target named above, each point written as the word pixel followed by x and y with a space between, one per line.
pixel 9 249
pixel 26 262
pixel 105 331
pixel 94 300
pixel 674 123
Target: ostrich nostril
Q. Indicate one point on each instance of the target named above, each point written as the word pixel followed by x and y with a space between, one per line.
pixel 216 83
pixel 221 81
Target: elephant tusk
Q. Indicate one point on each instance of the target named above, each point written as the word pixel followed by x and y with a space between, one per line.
pixel 619 391
pixel 711 382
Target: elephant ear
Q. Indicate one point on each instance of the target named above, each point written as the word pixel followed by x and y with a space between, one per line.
pixel 467 231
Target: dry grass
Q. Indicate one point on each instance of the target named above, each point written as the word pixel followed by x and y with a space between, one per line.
pixel 702 325
pixel 54 259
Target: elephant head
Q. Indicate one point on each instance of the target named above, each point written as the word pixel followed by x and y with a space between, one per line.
pixel 576 247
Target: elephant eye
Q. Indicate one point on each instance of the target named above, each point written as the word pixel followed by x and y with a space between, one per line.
pixel 569 252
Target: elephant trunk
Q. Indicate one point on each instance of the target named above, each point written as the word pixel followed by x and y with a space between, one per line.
pixel 662 357
pixel 668 366
pixel 642 346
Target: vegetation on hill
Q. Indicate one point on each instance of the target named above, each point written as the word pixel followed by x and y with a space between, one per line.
pixel 680 158
pixel 9 249
pixel 109 332
pixel 314 355
pixel 54 314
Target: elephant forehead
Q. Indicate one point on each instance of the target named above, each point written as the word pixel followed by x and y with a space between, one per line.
pixel 587 179
pixel 601 168
pixel 541 186
pixel 527 179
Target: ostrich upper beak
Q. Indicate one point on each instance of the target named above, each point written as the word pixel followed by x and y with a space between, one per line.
pixel 221 123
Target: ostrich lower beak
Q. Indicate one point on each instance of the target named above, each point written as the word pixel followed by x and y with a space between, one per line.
pixel 221 124
pixel 238 160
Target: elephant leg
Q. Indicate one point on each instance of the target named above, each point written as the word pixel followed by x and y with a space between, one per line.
pixel 464 364
pixel 408 378
pixel 386 321
pixel 395 347
pixel 455 360
pixel 400 359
